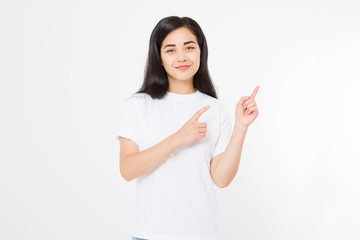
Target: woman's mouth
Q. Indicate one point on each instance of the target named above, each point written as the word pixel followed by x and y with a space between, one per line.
pixel 183 67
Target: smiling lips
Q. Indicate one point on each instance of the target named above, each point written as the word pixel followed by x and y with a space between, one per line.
pixel 183 67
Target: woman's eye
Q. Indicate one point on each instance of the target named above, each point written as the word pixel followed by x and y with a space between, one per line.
pixel 172 50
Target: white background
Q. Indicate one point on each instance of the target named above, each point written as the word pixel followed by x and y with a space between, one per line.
pixel 68 66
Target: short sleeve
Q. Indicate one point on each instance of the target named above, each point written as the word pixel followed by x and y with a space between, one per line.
pixel 129 118
pixel 225 131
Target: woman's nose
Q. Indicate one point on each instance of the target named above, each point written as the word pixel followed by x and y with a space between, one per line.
pixel 182 56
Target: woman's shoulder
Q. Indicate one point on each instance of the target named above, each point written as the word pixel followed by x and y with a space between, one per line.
pixel 138 97
pixel 212 100
pixel 216 104
pixel 132 102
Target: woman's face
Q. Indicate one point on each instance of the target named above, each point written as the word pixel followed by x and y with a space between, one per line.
pixel 180 48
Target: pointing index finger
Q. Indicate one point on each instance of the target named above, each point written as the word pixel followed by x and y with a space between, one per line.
pixel 255 91
pixel 200 112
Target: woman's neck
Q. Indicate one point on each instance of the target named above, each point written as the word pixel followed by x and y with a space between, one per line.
pixel 181 87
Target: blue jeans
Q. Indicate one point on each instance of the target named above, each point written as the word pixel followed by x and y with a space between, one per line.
pixel 135 238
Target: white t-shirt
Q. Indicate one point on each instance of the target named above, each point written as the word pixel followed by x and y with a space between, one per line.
pixel 176 201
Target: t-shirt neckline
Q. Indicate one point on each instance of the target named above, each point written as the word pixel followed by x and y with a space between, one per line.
pixel 182 97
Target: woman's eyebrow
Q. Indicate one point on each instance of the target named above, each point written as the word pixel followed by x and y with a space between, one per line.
pixel 169 45
pixel 173 45
pixel 189 42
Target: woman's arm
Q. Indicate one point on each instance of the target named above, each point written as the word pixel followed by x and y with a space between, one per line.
pixel 134 164
pixel 224 166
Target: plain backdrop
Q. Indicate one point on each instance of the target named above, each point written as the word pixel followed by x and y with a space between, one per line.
pixel 68 66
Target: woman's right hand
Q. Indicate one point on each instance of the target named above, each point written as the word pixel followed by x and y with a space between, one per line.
pixel 192 129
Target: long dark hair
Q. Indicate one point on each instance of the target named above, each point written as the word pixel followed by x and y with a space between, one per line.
pixel 156 82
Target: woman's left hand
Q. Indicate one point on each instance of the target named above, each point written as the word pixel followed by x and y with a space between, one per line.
pixel 246 110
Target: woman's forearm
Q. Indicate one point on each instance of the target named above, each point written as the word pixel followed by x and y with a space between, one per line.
pixel 138 164
pixel 227 167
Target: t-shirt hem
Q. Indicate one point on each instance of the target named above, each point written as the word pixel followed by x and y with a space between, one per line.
pixel 155 236
pixel 128 135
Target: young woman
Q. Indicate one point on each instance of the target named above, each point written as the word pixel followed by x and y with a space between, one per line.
pixel 177 139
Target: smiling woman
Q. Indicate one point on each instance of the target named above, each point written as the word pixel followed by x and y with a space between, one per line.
pixel 180 56
pixel 177 59
pixel 175 138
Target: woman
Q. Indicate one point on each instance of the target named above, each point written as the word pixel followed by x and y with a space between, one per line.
pixel 177 139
